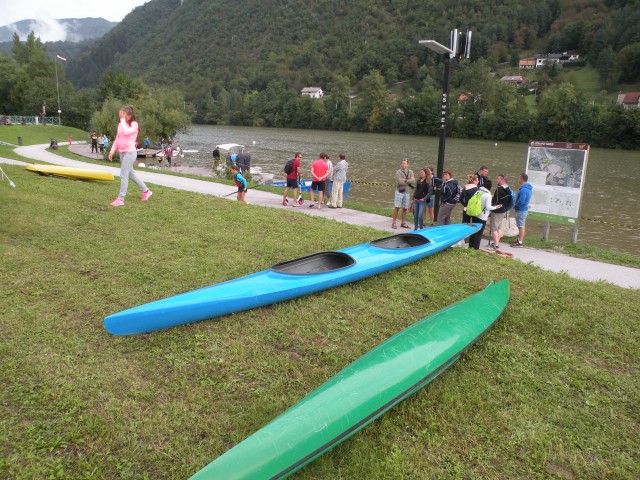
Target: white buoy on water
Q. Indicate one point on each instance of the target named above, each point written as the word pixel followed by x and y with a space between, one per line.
pixel 495 144
pixel 254 142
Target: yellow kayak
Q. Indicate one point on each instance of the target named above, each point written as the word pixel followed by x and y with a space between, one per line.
pixel 69 172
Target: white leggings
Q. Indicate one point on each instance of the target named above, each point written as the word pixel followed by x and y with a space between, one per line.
pixel 127 172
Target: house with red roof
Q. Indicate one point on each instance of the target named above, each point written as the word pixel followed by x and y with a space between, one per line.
pixel 629 99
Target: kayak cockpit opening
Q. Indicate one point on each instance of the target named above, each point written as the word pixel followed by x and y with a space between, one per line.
pixel 321 262
pixel 402 240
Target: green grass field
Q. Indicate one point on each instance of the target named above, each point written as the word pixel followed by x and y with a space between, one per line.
pixel 550 392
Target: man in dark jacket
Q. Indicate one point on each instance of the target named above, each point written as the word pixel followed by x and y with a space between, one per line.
pixel 448 197
pixel 502 196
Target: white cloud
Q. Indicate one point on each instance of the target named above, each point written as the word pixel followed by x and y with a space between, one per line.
pixel 48 10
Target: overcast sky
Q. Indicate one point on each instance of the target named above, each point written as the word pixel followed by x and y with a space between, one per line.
pixel 49 10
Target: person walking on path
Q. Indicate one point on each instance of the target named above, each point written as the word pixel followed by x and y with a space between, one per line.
pixel 240 181
pixel 319 173
pixel 339 179
pixel 484 191
pixel 521 207
pixel 420 198
pixel 404 181
pixel 125 143
pixel 448 194
pixel 293 177
pixel 502 196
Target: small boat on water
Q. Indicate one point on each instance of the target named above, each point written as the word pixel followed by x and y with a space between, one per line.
pixel 70 172
pixel 305 185
pixel 363 391
pixel 287 280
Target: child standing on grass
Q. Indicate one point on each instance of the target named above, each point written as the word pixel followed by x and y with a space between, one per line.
pixel 125 143
pixel 241 182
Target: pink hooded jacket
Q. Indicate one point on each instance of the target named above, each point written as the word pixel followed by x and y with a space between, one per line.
pixel 126 137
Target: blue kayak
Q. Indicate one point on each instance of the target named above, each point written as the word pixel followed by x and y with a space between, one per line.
pixel 305 185
pixel 287 280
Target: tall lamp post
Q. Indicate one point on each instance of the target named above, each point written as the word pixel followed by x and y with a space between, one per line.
pixel 447 55
pixel 58 87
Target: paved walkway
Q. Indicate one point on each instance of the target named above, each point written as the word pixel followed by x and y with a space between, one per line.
pixel 626 277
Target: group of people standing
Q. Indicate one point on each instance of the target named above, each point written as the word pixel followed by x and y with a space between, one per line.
pixel 325 177
pixel 99 143
pixel 487 207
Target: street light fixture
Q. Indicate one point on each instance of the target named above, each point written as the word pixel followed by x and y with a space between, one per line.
pixel 460 46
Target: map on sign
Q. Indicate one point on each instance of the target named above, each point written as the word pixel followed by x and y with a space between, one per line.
pixel 557 173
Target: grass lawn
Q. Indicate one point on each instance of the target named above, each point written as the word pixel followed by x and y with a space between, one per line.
pixel 39 134
pixel 550 392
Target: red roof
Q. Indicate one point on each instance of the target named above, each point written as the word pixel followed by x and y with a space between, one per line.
pixel 631 98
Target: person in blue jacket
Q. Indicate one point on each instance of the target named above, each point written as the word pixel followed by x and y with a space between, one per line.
pixel 240 181
pixel 521 208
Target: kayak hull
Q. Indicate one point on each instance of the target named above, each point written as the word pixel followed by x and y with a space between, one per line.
pixel 361 392
pixel 69 172
pixel 305 185
pixel 311 274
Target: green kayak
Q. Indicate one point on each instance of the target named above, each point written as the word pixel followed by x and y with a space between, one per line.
pixel 361 392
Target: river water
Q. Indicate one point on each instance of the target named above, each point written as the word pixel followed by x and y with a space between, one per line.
pixel 608 202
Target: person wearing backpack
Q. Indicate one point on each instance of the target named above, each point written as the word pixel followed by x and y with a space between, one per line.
pixel 478 209
pixel 449 196
pixel 502 196
pixel 292 169
pixel 467 192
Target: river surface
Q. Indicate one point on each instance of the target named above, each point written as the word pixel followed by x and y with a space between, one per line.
pixel 608 202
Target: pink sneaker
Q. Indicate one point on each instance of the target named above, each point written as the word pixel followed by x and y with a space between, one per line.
pixel 118 202
pixel 146 195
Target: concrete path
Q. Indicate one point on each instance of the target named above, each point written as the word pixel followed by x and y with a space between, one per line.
pixel 625 277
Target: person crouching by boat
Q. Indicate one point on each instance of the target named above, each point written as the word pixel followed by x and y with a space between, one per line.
pixel 240 181
pixel 420 196
pixel 339 179
pixel 125 143
pixel 476 238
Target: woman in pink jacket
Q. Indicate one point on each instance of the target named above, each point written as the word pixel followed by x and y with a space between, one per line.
pixel 125 143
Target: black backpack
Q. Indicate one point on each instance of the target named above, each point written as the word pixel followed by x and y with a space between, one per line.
pixel 288 168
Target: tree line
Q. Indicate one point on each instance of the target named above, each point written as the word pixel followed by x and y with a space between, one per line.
pixel 32 81
pixel 481 107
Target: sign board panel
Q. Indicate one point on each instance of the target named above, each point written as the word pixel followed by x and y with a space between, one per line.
pixel 557 171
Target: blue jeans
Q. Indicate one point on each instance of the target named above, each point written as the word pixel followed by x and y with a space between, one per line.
pixel 418 209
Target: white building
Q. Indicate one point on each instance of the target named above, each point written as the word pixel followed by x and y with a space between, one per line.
pixel 313 92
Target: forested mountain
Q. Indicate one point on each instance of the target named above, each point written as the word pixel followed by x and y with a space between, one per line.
pixel 244 62
pixel 246 44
